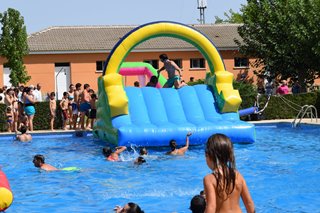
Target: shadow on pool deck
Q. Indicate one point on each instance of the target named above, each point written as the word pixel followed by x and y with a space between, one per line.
pixel 77 133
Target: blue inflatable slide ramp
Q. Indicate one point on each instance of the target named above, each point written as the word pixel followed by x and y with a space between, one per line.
pixel 157 116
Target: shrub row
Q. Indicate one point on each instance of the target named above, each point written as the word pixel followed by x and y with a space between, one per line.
pixel 288 106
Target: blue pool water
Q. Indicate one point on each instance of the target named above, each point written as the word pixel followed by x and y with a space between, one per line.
pixel 282 170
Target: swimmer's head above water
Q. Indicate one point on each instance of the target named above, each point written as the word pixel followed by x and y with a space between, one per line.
pixel 107 151
pixel 38 160
pixel 173 145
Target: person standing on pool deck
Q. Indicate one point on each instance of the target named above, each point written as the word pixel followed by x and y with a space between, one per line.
pixel 225 185
pixel 174 72
pixel 38 161
pixel 53 108
pixel 72 105
pixel 181 151
pixel 64 103
pixel 29 108
pixel 76 105
pixel 85 104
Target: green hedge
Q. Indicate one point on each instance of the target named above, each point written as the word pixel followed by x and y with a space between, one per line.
pixel 287 106
pixel 41 119
pixel 279 107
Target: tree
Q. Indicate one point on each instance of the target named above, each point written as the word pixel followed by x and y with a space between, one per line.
pixel 234 18
pixel 13 45
pixel 284 36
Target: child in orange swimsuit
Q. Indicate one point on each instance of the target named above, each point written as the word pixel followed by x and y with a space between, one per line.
pixel 113 156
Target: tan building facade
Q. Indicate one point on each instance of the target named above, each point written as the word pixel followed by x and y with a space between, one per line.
pixel 59 56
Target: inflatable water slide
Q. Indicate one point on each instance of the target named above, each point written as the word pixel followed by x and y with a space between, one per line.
pixel 151 116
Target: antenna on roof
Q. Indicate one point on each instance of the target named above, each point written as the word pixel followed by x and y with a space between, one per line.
pixel 202 4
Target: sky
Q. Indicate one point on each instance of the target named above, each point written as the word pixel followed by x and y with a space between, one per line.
pixel 41 14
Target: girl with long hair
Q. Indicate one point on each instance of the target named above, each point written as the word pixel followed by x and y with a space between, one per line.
pixel 225 185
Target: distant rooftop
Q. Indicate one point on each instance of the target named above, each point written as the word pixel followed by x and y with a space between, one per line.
pixel 67 39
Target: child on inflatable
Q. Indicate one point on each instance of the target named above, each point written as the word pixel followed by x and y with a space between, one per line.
pixel 174 78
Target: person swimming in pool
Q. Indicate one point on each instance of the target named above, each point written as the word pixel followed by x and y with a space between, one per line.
pixel 38 161
pixel 140 160
pixel 181 151
pixel 128 208
pixel 113 156
pixel 24 137
pixel 143 151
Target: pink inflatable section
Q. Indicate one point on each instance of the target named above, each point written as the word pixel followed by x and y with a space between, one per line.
pixel 137 71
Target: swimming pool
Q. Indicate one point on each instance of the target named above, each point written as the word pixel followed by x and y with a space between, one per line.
pixel 282 170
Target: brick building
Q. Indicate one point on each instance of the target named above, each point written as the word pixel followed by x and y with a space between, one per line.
pixel 59 56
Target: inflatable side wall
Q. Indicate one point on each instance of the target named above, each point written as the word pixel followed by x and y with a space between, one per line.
pixel 6 196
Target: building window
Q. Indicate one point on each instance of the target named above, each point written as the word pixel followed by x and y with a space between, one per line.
pixel 99 66
pixel 62 64
pixel 197 63
pixel 153 62
pixel 178 62
pixel 241 62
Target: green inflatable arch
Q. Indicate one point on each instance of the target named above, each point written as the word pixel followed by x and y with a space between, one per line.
pixel 228 99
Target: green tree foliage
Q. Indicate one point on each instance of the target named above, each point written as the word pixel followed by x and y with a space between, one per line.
pixel 284 36
pixel 13 45
pixel 232 17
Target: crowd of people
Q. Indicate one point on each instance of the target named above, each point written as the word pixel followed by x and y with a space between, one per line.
pixel 78 106
pixel 20 108
pixel 269 87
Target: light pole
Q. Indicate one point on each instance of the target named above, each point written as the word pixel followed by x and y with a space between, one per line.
pixel 202 5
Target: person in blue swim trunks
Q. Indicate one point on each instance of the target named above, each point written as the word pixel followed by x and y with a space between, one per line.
pixel 30 110
pixel 85 98
pixel 173 71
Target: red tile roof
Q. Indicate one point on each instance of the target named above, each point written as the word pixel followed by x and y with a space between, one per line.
pixel 102 39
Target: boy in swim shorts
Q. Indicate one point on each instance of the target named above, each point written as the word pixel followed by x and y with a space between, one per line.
pixel 64 107
pixel 53 107
pixel 85 104
pixel 173 71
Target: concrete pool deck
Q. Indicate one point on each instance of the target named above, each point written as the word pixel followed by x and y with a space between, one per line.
pixel 303 121
pixel 60 131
